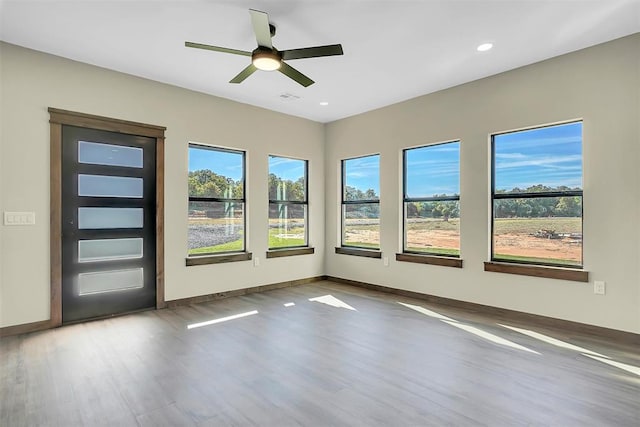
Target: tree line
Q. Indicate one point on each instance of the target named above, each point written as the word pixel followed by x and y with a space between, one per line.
pixel 538 207
pixel 206 183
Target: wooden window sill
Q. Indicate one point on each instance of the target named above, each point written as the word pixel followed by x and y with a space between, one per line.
pixel 278 253
pixel 562 273
pixel 218 259
pixel 368 253
pixel 430 259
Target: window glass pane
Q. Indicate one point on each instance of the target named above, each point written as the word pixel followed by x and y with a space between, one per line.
pixel 216 173
pixel 361 225
pixel 215 227
pixel 287 225
pixel 539 230
pixel 433 227
pixel 361 178
pixel 93 218
pixel 109 281
pixel 287 179
pixel 109 186
pixel 109 249
pixel 433 171
pixel 108 154
pixel 537 160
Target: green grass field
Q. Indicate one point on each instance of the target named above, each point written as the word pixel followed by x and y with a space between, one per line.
pixel 234 246
pixel 275 242
pixel 435 251
pixel 536 260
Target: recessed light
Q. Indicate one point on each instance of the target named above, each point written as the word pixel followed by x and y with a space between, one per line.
pixel 484 47
pixel 324 103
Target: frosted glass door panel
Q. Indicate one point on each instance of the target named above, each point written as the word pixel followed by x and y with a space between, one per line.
pixel 109 186
pixel 93 218
pixel 109 281
pixel 107 154
pixel 109 249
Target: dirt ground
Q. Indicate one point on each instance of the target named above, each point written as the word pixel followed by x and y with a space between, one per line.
pixel 505 244
pixel 525 245
pixel 435 238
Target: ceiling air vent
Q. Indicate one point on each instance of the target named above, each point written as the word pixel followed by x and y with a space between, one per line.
pixel 289 97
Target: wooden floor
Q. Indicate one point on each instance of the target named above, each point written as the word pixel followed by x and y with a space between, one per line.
pixel 314 364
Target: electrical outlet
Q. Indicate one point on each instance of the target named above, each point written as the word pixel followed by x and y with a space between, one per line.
pixel 599 287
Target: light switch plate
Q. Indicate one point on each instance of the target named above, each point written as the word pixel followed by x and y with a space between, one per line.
pixel 19 218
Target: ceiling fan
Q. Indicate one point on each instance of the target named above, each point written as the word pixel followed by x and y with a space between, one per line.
pixel 266 57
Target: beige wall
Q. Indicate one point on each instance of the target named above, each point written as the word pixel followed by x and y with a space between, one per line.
pixel 598 85
pixel 31 82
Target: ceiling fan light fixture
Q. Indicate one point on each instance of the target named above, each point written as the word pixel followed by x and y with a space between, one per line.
pixel 266 61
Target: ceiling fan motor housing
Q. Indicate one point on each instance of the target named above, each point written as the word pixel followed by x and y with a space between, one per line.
pixel 266 59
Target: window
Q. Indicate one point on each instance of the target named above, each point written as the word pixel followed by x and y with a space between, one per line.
pixel 216 200
pixel 287 203
pixel 361 202
pixel 537 196
pixel 432 199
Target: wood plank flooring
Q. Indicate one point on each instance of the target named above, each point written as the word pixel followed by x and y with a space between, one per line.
pixel 315 364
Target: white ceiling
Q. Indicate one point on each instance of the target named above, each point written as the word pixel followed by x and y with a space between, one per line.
pixel 393 50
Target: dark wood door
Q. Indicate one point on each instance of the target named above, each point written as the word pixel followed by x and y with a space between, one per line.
pixel 108 223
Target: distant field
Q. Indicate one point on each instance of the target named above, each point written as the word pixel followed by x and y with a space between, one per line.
pixel 363 233
pixel 531 225
pixel 513 238
pixel 432 224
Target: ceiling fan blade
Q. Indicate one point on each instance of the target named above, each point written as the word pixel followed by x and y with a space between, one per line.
pixel 296 75
pixel 260 22
pixel 244 74
pixel 217 49
pixel 312 52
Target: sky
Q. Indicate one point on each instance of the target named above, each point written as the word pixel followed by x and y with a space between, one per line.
pixel 550 156
pixel 433 169
pixel 285 168
pixel 363 173
pixel 225 163
pixel 229 164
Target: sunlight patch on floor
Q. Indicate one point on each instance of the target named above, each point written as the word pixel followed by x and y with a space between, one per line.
pixel 332 301
pixel 289 304
pixel 427 312
pixel 553 341
pixel 629 368
pixel 490 337
pixel 222 319
pixel 471 329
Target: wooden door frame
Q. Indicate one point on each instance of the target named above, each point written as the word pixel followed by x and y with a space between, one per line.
pixel 59 118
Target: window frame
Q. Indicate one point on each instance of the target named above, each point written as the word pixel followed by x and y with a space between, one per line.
pixel 524 195
pixel 351 249
pixel 225 256
pixel 406 199
pixel 304 203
